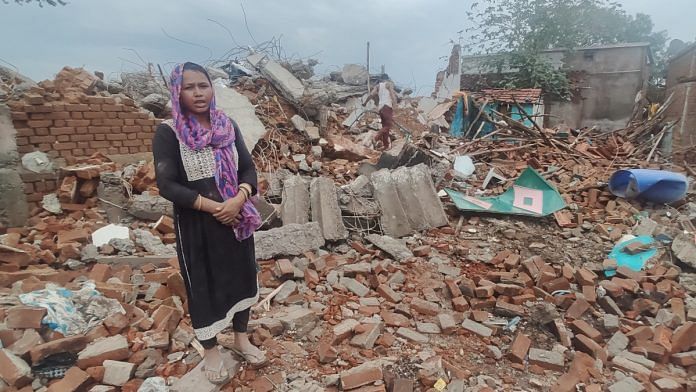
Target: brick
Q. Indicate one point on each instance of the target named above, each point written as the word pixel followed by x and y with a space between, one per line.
pixel 467 287
pixel 22 346
pixel 165 225
pixel 583 327
pixel 668 385
pixel 354 379
pixel 484 291
pixel 685 359
pixel 519 348
pixel 13 370
pixel 460 304
pixel 387 293
pixel 506 309
pixel 327 353
pixel 590 347
pixel 546 359
pixel 24 317
pixel 115 323
pixel 684 337
pixel 75 380
pixel 111 348
pixel 425 307
pixel 577 309
pixel 421 251
pixel 100 272
pixel 343 330
pixel 561 332
pixel 453 288
pixel 71 344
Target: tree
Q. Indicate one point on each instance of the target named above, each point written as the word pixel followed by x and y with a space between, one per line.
pixel 521 29
pixel 41 3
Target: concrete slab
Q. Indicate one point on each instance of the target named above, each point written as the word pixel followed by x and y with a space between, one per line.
pixel 426 194
pixel 135 261
pixel 14 210
pixel 296 201
pixel 395 222
pixel 291 87
pixel 289 240
pixel 325 209
pixel 238 108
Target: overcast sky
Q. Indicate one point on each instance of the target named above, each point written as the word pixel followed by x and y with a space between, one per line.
pixel 411 38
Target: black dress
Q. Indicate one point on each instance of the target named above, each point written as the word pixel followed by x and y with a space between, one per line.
pixel 219 272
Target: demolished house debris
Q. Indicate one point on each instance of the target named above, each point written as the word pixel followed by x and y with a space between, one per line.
pixel 372 277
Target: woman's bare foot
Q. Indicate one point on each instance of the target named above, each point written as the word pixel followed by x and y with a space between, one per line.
pixel 213 366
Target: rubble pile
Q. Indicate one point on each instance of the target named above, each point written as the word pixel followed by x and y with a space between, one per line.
pixel 371 277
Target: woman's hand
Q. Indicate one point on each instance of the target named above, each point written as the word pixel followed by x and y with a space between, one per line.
pixel 228 213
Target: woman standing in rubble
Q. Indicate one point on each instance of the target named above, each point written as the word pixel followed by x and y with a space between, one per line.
pixel 205 169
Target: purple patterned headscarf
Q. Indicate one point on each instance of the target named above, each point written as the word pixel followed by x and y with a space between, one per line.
pixel 221 138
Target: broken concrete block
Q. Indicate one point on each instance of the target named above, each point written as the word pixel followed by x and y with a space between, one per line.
pixel 395 222
pixel 75 379
pixel 684 248
pixel 289 240
pixel 117 373
pixel 325 209
pixel 412 335
pixel 418 195
pixel 628 384
pixel 150 207
pixel 298 318
pixel 238 107
pixel 354 75
pixel 396 248
pixel 195 380
pixel 479 329
pixel 550 360
pixel 354 286
pixel 296 201
pixel 291 87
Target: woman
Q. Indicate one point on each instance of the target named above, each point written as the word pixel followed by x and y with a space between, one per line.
pixel 205 169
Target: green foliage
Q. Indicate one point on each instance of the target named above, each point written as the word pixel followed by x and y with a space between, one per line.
pixel 524 28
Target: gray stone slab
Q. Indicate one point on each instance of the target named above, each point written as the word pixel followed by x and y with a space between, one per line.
pixel 325 209
pixel 135 261
pixel 395 221
pixel 238 108
pixel 291 87
pixel 289 240
pixel 395 247
pixel 296 201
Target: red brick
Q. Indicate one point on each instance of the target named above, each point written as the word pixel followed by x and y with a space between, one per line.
pixel 590 347
pixel 583 327
pixel 24 317
pixel 425 307
pixel 519 348
pixel 72 344
pixel 460 304
pixel 577 309
pixel 75 380
pixel 684 337
pixel 357 379
pixel 387 293
pixel 13 370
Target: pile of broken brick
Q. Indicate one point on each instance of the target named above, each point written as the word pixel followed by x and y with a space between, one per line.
pixel 370 280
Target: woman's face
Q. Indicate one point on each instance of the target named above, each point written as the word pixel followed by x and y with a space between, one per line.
pixel 196 92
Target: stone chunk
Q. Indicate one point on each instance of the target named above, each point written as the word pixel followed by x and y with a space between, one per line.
pixel 387 293
pixel 288 240
pixel 628 384
pixel 298 318
pixel 325 209
pixel 354 286
pixel 479 329
pixel 425 307
pixel 396 248
pixel 550 360
pixel 412 335
pixel 117 373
